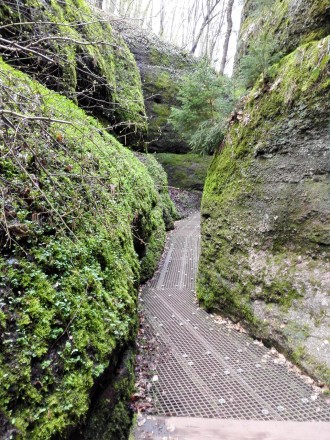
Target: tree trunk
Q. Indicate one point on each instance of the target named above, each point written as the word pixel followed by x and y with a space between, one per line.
pixel 228 34
pixel 162 19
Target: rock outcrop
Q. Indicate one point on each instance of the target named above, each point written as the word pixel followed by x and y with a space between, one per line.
pixel 82 223
pixel 266 212
pixel 68 49
pixel 162 66
pixel 290 23
pixel 185 171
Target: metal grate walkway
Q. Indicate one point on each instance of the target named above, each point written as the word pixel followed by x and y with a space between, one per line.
pixel 209 369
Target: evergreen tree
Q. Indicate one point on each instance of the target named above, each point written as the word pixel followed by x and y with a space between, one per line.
pixel 206 99
pixel 261 55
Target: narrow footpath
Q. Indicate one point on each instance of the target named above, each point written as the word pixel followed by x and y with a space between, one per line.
pixel 210 368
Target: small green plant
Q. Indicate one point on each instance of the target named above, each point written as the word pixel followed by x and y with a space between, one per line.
pixel 258 6
pixel 206 100
pixel 261 55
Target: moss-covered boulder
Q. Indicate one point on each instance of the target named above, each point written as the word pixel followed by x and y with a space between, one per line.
pixel 185 171
pixel 81 219
pixel 162 66
pixel 68 48
pixel 160 178
pixel 266 214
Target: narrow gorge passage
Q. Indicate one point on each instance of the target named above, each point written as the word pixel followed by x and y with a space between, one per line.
pixel 208 367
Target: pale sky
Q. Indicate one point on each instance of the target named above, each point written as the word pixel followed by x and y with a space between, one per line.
pixel 181 6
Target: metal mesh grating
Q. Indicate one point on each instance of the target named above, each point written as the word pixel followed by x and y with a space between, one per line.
pixel 208 369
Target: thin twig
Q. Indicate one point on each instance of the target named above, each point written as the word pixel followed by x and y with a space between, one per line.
pixel 34 118
pixel 14 47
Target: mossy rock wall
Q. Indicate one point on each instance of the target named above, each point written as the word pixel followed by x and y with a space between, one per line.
pixel 109 417
pixel 81 223
pixel 266 213
pixel 90 62
pixel 185 171
pixel 290 22
pixel 160 178
pixel 162 66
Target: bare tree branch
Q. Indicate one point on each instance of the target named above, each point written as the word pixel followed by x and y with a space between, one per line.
pixel 14 47
pixel 33 118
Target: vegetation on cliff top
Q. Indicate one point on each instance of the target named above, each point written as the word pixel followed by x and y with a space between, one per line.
pixel 286 22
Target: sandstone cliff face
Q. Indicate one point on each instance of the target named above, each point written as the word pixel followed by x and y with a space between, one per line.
pixel 266 210
pixel 83 221
pixel 161 67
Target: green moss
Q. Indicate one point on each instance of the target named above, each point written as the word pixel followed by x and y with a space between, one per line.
pixel 159 177
pixel 99 73
pixel 288 25
pixel 220 294
pixel 308 362
pixel 70 271
pixel 186 171
pixel 173 59
pixel 111 416
pixel 165 87
pixel 153 248
pixel 159 120
pixel 279 291
pixel 157 58
pixel 300 77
